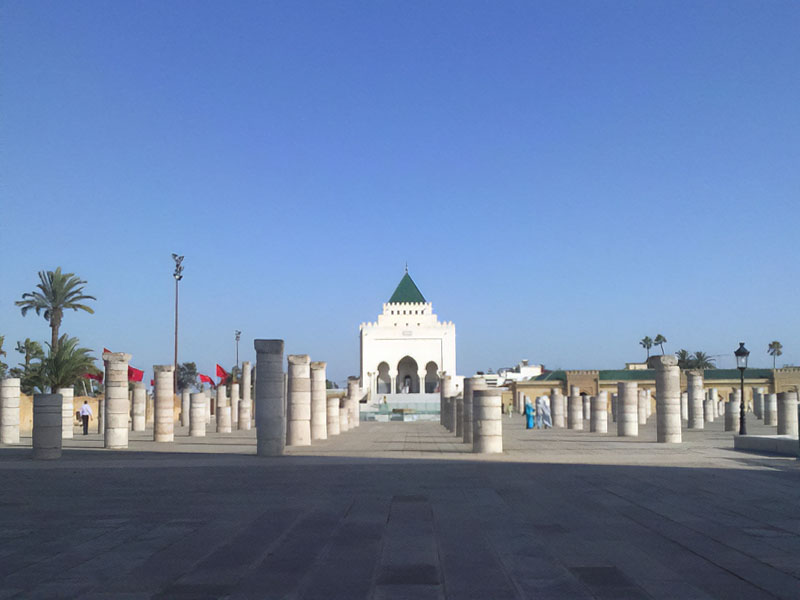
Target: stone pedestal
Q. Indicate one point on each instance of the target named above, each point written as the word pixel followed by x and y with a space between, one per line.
pixel 197 415
pixel 223 419
pixel 758 402
pixel 487 432
pixel 353 405
pixel 344 416
pixel 641 405
pixel 319 403
pixel 185 408
pixel 685 406
pixel 471 384
pixel 246 405
pixel 695 397
pixel 116 410
pixel 628 409
pixel 207 394
pixel 149 408
pixel 787 413
pixel 67 412
pixel 298 424
pixel 771 409
pixel 164 404
pixel 332 416
pixel 587 407
pixel 47 425
pixel 270 412
pixel 9 411
pixel 732 413
pixel 448 392
pixel 234 404
pixel 557 407
pixel 649 403
pixel 709 409
pixel 599 417
pixel 139 407
pixel 575 409
pixel 668 398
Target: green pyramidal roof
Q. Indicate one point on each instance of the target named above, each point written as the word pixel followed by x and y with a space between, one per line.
pixel 407 291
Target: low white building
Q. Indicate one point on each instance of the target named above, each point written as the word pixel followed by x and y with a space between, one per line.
pixel 405 352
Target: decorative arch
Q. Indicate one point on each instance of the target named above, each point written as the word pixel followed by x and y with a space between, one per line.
pixel 407 376
pixel 431 378
pixel 384 383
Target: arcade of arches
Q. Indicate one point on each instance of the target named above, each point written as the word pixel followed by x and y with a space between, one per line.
pixel 406 376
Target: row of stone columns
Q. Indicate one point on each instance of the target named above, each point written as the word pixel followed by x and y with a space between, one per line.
pixel 476 416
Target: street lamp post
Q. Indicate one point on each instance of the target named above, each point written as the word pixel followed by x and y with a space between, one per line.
pixel 237 335
pixel 178 275
pixel 741 355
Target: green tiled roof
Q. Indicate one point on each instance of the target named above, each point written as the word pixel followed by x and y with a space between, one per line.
pixel 734 374
pixel 551 376
pixel 650 375
pixel 627 375
pixel 407 291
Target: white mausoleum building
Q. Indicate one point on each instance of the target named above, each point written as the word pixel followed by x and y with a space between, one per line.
pixel 405 351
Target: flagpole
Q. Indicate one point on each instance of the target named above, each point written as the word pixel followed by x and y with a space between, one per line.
pixel 178 275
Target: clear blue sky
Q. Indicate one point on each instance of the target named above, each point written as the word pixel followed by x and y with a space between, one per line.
pixel 563 178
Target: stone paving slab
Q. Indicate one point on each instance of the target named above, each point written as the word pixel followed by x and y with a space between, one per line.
pixel 402 510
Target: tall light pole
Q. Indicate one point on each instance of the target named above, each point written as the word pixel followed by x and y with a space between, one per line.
pixel 741 355
pixel 178 275
pixel 238 335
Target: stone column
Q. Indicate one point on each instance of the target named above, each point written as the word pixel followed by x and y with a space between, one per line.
pixel 649 395
pixel 628 409
pixel 139 401
pixel 732 412
pixel 587 407
pixel 101 415
pixel 684 406
pixel 575 409
pixel 459 404
pixel 353 405
pixel 758 402
pixel 223 410
pixel 344 415
pixel 708 408
pixel 164 404
pixel 332 420
pixel 787 413
pixel 668 399
pixel 487 432
pixel 234 403
pixel 641 405
pixel 448 391
pixel 197 415
pixel 246 407
pixel 557 407
pixel 771 409
pixel 149 410
pixel 67 412
pixel 270 413
pixel 614 407
pixel 9 411
pixel 185 408
pixel 298 430
pixel 319 404
pixel 694 383
pixel 47 425
pixel 471 384
pixel 116 409
pixel 599 417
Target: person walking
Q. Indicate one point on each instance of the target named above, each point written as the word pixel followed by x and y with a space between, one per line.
pixel 86 414
pixel 529 414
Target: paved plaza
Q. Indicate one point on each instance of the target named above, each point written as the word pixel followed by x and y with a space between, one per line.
pixel 402 511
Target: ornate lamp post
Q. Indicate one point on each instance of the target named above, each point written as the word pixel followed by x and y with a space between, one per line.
pixel 178 275
pixel 741 355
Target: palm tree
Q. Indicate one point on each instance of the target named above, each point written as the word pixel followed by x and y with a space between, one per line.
pixel 775 349
pixel 660 341
pixel 3 366
pixel 701 360
pixel 63 366
pixel 57 292
pixel 647 343
pixel 684 359
pixel 30 350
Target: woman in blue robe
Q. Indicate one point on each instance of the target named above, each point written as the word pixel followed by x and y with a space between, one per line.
pixel 530 413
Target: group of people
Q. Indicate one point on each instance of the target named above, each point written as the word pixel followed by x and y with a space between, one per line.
pixel 538 416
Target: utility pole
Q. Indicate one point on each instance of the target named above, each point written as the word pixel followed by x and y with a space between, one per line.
pixel 238 335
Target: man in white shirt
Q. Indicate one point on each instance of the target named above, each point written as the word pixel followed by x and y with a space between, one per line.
pixel 86 414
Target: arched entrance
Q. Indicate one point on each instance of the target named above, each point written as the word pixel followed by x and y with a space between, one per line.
pixel 431 378
pixel 407 376
pixel 384 383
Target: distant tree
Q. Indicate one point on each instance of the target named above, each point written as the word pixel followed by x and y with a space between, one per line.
pixel 701 360
pixel 684 359
pixel 57 292
pixel 660 341
pixel 63 366
pixel 187 376
pixel 30 350
pixel 331 385
pixel 646 342
pixel 3 366
pixel 775 349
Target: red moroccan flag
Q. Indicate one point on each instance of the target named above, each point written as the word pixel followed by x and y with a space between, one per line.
pixel 152 383
pixel 205 379
pixel 221 372
pixel 134 374
pixel 106 350
pixel 95 376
